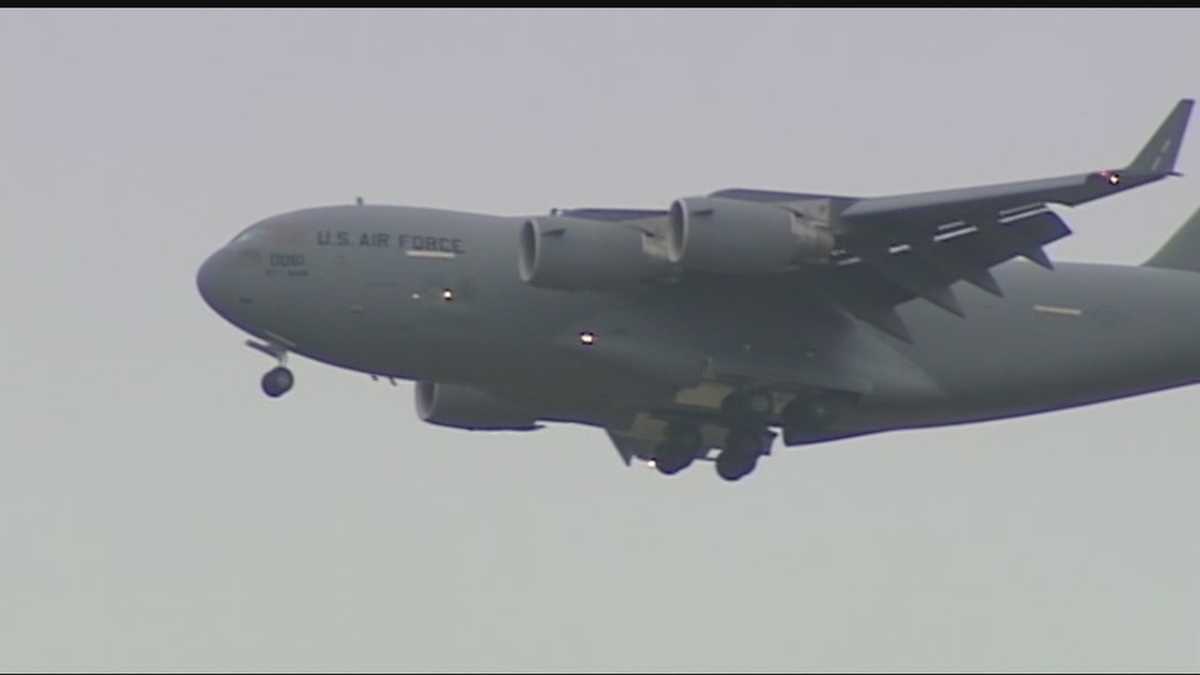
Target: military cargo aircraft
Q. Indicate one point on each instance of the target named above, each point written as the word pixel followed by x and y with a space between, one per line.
pixel 696 331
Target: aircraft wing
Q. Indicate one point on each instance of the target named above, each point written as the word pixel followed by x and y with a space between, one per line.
pixel 896 248
pixel 872 279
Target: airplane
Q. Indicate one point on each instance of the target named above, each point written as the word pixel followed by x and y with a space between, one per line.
pixel 705 330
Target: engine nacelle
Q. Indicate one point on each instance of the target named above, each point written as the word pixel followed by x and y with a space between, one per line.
pixel 730 236
pixel 579 254
pixel 462 407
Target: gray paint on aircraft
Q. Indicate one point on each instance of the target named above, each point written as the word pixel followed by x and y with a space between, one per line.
pixel 434 296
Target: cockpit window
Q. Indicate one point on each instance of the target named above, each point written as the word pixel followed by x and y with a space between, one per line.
pixel 246 235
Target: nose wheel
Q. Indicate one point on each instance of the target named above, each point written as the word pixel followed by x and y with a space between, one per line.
pixel 277 382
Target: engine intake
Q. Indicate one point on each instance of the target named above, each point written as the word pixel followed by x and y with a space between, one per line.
pixel 463 407
pixel 730 236
pixel 578 254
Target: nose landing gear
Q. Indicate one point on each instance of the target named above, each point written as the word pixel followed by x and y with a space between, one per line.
pixel 279 380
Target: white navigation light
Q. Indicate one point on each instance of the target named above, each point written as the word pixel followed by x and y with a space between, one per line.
pixel 587 338
pixel 448 294
pixel 1112 177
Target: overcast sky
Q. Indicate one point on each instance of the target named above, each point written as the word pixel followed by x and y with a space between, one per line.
pixel 157 511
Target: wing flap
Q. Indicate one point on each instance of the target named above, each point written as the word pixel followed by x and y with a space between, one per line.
pixel 869 285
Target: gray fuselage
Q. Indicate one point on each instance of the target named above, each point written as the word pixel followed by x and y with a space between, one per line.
pixel 433 295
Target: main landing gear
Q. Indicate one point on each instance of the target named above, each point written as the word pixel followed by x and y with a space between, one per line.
pixel 678 451
pixel 749 438
pixel 746 415
pixel 743 447
pixel 279 380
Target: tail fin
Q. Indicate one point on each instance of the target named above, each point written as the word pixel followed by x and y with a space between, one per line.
pixel 1158 156
pixel 1182 250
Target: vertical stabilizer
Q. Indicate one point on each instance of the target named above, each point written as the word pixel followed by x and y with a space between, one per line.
pixel 1182 250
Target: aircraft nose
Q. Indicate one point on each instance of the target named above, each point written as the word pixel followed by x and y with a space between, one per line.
pixel 212 282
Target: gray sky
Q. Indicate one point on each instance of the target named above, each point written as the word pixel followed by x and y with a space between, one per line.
pixel 156 511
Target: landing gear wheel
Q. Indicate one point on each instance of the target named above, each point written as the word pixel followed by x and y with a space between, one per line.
pixel 678 451
pixel 670 462
pixel 742 450
pixel 277 382
pixel 733 465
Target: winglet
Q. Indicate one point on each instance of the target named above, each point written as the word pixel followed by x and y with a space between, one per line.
pixel 1158 156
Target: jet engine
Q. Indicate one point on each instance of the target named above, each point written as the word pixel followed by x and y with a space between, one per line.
pixel 462 407
pixel 730 236
pixel 578 254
